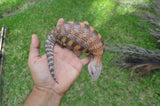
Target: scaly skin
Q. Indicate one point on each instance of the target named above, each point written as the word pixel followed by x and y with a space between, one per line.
pixel 80 37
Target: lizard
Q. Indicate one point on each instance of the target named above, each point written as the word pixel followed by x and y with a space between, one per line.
pixel 81 37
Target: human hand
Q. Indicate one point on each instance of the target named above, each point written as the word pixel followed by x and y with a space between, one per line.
pixel 66 62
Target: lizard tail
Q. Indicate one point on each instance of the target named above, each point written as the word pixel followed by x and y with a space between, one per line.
pixel 50 42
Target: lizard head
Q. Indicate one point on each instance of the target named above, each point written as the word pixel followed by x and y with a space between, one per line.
pixel 95 68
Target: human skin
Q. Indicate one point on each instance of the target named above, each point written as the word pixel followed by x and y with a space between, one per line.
pixel 68 66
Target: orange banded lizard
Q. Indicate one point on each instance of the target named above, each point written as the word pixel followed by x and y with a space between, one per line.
pixel 81 37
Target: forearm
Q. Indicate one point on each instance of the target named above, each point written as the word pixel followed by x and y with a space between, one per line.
pixel 42 97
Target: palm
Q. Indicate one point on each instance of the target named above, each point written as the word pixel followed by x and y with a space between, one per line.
pixel 67 68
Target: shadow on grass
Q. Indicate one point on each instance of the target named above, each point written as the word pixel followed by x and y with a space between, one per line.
pixel 114 23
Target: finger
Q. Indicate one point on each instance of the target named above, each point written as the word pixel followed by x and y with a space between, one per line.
pixel 34 47
pixel 85 60
pixel 86 22
pixel 60 21
pixel 78 53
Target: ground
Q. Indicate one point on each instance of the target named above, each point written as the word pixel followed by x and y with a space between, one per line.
pixel 115 23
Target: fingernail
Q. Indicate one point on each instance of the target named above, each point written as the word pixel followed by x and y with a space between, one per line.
pixel 32 37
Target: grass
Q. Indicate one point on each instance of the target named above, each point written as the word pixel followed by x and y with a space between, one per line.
pixel 116 26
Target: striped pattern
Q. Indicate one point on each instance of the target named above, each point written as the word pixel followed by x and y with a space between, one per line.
pixel 76 35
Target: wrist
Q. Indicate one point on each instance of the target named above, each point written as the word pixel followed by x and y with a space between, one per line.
pixel 43 96
pixel 53 98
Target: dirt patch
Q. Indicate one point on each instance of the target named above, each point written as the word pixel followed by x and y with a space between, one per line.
pixel 16 11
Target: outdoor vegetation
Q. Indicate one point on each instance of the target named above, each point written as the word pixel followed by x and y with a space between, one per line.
pixel 117 24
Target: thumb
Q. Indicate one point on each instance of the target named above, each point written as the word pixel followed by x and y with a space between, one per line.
pixel 34 47
pixel 85 60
